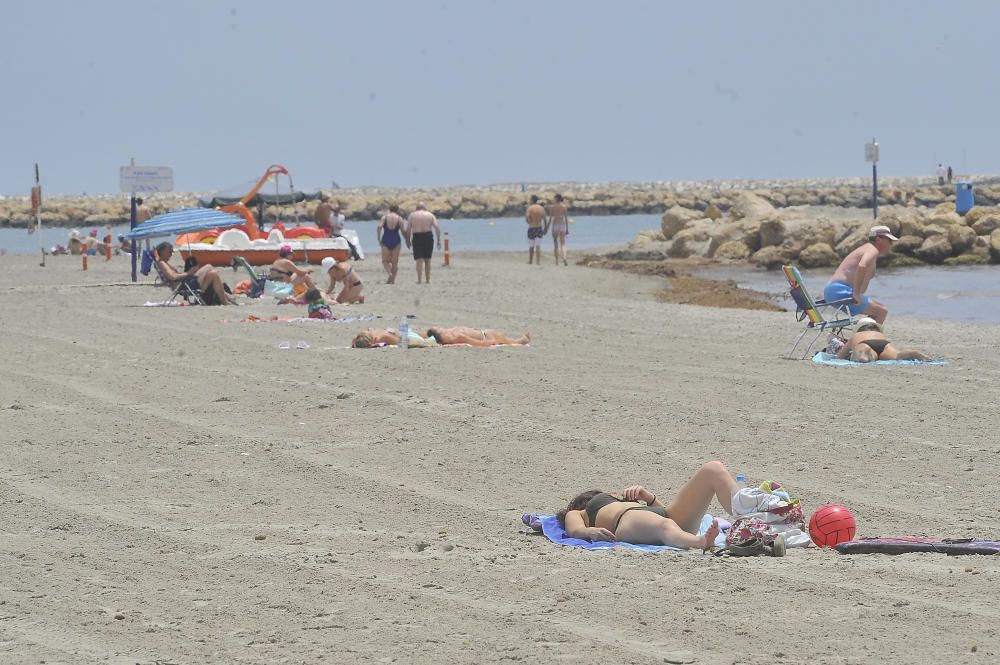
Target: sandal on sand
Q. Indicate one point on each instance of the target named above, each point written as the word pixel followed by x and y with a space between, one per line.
pixel 756 547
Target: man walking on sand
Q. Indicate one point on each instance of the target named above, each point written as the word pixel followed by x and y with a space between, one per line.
pixel 421 228
pixel 855 272
pixel 535 216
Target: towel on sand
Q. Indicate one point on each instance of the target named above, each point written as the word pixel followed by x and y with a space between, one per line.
pixel 557 534
pixel 824 358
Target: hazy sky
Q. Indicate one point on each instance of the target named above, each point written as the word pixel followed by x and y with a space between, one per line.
pixel 435 93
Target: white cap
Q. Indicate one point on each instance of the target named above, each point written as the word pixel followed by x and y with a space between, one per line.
pixel 883 231
pixel 328 263
pixel 867 321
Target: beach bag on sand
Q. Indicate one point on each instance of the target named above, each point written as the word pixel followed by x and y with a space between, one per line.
pixel 764 512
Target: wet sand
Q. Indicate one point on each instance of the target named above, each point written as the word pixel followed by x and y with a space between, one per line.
pixel 176 489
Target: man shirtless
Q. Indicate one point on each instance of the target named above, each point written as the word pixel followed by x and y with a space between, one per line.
pixel 323 213
pixel 535 217
pixel 855 272
pixel 420 232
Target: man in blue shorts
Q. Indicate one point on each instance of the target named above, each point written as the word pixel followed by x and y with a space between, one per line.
pixel 854 273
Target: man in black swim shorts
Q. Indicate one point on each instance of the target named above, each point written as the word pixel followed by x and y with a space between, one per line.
pixel 421 229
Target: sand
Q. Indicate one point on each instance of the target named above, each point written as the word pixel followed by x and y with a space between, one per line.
pixel 176 489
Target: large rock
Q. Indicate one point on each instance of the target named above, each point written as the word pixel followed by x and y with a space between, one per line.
pixel 946 219
pixel 676 219
pixel 929 197
pixel 935 249
pixel 712 212
pixel 817 255
pixel 908 244
pixel 772 232
pixel 985 225
pixel 961 238
pixel 685 247
pixel 749 205
pixel 734 250
pixel 978 213
pixel 770 257
pixel 995 245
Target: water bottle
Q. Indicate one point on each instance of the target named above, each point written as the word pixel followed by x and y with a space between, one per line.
pixel 404 333
pixel 741 481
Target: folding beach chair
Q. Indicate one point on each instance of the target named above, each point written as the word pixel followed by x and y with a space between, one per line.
pixel 185 288
pixel 257 279
pixel 819 315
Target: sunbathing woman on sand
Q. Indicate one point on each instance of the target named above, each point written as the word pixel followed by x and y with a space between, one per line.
pixel 439 337
pixel 597 515
pixel 869 343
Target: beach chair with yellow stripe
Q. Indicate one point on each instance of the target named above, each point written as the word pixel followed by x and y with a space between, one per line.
pixel 819 315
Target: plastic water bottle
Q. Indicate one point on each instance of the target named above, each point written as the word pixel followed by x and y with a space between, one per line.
pixel 741 481
pixel 404 333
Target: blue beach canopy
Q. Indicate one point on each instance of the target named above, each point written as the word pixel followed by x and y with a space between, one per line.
pixel 183 221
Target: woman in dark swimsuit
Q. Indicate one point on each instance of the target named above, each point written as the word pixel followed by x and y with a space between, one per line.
pixel 389 237
pixel 638 516
pixel 869 344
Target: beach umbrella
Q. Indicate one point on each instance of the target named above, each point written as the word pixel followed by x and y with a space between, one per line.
pixel 184 220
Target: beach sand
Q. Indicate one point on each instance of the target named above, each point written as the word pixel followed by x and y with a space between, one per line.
pixel 176 489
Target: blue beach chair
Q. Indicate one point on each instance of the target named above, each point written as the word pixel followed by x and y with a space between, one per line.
pixel 819 315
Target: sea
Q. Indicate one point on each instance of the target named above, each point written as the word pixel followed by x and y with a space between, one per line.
pixel 966 293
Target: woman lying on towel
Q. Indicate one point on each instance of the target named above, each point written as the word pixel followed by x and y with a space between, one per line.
pixel 868 344
pixel 638 516
pixel 438 337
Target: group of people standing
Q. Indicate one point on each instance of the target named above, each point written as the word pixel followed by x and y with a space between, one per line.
pixel 540 221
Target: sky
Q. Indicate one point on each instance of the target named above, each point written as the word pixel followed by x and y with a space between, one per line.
pixel 410 93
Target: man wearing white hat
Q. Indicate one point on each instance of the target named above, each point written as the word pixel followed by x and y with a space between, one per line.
pixel 855 272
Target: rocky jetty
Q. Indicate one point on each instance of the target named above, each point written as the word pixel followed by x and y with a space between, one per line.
pixel 811 222
pixel 754 230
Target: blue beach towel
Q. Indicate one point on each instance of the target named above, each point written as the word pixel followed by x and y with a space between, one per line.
pixel 557 534
pixel 824 358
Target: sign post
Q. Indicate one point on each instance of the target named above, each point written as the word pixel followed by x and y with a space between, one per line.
pixel 143 179
pixel 871 155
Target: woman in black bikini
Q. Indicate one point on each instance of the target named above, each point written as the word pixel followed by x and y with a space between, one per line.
pixel 285 270
pixel 638 516
pixel 342 271
pixel 869 344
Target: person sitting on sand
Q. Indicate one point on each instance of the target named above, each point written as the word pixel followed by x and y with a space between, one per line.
pixel 638 516
pixel 869 344
pixel 205 278
pixel 285 270
pixel 342 271
pixel 460 336
pixel 318 307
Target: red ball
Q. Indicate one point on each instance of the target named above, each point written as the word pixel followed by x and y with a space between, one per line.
pixel 832 524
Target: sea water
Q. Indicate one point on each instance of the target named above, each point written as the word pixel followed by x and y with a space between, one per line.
pixel 968 293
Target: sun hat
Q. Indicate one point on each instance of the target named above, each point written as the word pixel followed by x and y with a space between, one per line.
pixel 883 231
pixel 867 321
pixel 328 263
pixel 286 249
